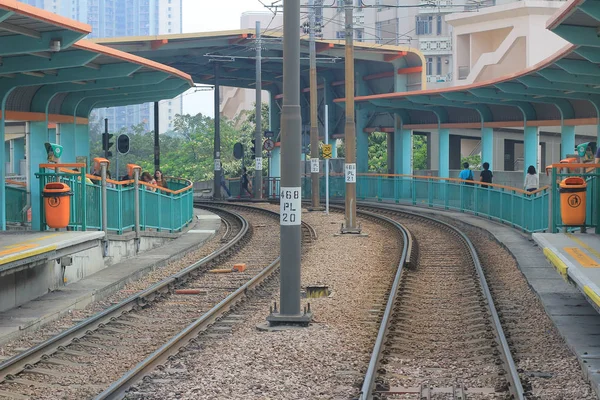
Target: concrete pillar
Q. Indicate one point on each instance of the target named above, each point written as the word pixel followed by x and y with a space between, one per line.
pixel 454 155
pixel 18 154
pixel 487 146
pixel 37 152
pixel 276 162
pixel 67 141
pixel 403 147
pixel 532 141
pixel 7 153
pixel 52 135
pixel 444 153
pixel 567 141
pixel 433 144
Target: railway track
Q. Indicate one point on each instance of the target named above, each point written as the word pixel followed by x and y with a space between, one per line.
pixel 440 336
pixel 84 360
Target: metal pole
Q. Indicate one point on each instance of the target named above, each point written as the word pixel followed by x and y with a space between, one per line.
pixel 105 138
pixel 326 160
pixel 258 133
pixel 290 192
pixel 156 138
pixel 350 128
pixel 136 201
pixel 217 139
pixel 314 120
pixel 103 167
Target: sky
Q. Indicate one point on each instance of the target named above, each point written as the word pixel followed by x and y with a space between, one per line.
pixel 204 16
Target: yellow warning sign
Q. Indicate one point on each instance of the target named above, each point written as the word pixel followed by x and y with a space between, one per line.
pixel 582 258
pixel 327 150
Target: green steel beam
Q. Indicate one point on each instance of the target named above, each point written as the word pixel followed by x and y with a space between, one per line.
pixel 526 109
pixel 590 53
pixel 484 111
pixel 536 82
pixel 578 35
pixel 45 94
pixel 120 101
pixel 19 44
pixel 508 92
pixel 573 93
pixel 5 14
pixel 556 75
pixel 440 112
pixel 591 8
pixel 67 59
pixel 122 93
pixel 579 67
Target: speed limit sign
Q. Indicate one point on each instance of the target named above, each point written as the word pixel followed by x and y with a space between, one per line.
pixel 269 145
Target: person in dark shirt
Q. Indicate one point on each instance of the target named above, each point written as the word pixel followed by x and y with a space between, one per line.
pixel 486 175
pixel 597 160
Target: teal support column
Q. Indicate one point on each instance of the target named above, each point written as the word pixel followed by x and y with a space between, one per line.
pixel 444 153
pixel 567 141
pixel 276 162
pixel 18 155
pixel 532 141
pixel 362 142
pixel 487 146
pixel 403 152
pixel 67 141
pixel 82 142
pixel 7 158
pixel 2 178
pixel 37 152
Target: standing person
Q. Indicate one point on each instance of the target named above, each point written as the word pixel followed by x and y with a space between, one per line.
pixel 146 177
pixel 160 179
pixel 224 184
pixel 486 175
pixel 532 180
pixel 466 175
pixel 245 182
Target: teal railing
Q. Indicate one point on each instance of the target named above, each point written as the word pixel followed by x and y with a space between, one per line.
pixel 167 210
pixel 513 206
pixel 16 199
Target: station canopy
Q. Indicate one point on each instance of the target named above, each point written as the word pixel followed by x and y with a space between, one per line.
pixel 564 89
pixel 48 69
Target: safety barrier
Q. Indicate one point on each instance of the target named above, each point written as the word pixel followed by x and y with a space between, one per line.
pixel 524 210
pixel 161 209
pixel 591 174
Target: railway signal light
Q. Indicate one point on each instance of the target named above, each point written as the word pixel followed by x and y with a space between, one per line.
pixel 253 149
pixel 123 144
pixel 107 144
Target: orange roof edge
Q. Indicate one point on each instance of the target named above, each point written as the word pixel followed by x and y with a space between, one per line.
pixel 542 64
pixel 43 15
pixel 91 46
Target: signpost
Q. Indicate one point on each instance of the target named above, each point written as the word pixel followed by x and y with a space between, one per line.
pixel 269 145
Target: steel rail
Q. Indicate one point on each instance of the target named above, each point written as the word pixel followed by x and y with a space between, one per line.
pixel 516 386
pixel 19 362
pixel 118 389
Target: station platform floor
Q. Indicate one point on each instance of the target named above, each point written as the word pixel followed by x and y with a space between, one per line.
pixel 100 285
pixel 575 318
pixel 576 256
pixel 19 249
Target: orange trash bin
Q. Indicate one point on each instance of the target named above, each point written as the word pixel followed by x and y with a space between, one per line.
pixel 57 204
pixel 572 200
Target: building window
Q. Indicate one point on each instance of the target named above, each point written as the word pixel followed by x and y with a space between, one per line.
pixel 439 25
pixel 424 25
pixel 439 66
pixel 340 35
pixel 429 65
pixel 359 34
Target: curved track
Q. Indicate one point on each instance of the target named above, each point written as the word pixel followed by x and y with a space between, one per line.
pixel 440 336
pixel 70 364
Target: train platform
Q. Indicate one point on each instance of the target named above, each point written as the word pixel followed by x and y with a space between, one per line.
pixel 576 256
pixel 99 285
pixel 574 317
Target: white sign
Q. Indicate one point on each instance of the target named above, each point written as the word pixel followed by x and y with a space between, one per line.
pixel 217 164
pixel 258 164
pixel 314 165
pixel 350 173
pixel 290 202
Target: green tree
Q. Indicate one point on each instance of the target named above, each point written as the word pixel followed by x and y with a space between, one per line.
pixel 247 129
pixel 419 152
pixel 378 152
pixel 474 161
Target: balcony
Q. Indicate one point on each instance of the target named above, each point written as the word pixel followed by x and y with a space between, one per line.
pixel 441 6
pixel 438 78
pixel 432 46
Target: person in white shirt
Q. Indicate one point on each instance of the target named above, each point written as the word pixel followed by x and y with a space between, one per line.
pixel 532 180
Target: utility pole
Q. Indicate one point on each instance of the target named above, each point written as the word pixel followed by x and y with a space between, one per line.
pixel 217 138
pixel 156 138
pixel 350 128
pixel 258 134
pixel 290 193
pixel 314 120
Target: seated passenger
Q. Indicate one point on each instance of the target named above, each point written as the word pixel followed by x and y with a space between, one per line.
pixel 160 179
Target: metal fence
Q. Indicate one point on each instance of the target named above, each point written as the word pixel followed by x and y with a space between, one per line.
pixel 16 199
pixel 513 206
pixel 161 209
